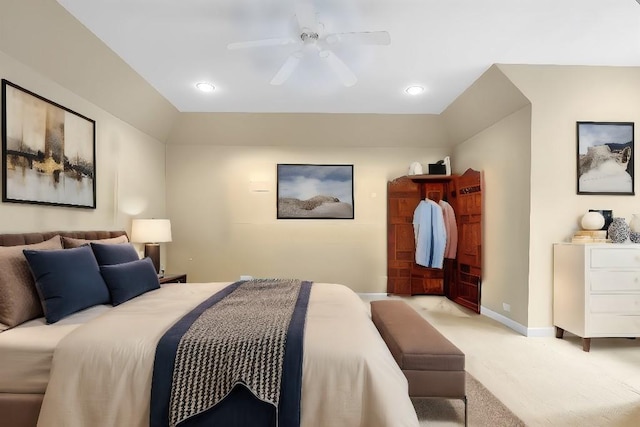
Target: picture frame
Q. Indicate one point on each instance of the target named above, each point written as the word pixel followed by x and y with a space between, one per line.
pixel 312 191
pixel 48 151
pixel 605 158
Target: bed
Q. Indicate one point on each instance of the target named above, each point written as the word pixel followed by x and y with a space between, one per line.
pixel 95 367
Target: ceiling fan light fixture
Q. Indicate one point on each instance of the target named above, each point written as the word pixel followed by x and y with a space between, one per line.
pixel 205 86
pixel 414 90
pixel 313 39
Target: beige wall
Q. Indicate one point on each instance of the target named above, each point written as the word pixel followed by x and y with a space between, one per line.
pixel 490 123
pixel 309 130
pixel 560 96
pixel 488 100
pixel 130 167
pixel 503 152
pixel 224 229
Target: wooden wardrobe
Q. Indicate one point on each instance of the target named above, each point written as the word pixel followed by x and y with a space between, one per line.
pixel 460 278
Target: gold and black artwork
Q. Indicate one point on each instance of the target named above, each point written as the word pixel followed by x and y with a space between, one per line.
pixel 48 151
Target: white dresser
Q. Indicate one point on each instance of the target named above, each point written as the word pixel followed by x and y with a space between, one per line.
pixel 596 290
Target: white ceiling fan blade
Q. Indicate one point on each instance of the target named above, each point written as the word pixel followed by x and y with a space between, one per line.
pixel 381 38
pixel 306 15
pixel 287 68
pixel 282 41
pixel 344 73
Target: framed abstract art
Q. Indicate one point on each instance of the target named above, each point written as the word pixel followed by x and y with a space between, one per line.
pixel 48 151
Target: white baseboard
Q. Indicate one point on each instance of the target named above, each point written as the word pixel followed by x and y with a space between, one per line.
pixel 541 332
pixel 521 329
pixel 510 323
pixel 372 295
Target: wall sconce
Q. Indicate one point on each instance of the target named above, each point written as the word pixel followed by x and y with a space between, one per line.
pixel 151 232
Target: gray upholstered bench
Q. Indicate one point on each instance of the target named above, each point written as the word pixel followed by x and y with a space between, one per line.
pixel 434 367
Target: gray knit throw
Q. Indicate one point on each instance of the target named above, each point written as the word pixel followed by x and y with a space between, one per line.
pixel 241 339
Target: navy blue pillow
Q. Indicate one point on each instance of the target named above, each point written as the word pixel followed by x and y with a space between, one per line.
pixel 109 254
pixel 67 280
pixel 130 279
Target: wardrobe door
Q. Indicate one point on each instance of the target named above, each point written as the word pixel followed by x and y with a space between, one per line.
pixel 403 196
pixel 465 287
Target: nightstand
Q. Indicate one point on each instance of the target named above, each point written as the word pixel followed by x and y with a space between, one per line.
pixel 173 278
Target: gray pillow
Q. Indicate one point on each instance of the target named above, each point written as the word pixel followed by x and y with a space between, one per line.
pixel 19 300
pixel 71 242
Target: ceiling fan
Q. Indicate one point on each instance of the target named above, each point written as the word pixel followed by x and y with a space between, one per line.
pixel 312 38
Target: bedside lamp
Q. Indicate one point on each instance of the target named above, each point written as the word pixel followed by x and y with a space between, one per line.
pixel 151 232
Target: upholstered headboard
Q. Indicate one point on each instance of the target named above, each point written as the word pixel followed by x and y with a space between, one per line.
pixel 30 238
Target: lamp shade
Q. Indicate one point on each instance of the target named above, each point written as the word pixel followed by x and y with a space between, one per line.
pixel 150 230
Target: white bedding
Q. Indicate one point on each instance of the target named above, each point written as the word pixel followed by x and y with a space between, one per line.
pixel 26 350
pixel 101 372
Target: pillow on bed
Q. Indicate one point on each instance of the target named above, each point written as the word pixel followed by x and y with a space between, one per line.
pixel 130 279
pixel 19 300
pixel 72 242
pixel 107 254
pixel 68 280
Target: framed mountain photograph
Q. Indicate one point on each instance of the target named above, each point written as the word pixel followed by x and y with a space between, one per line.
pixel 605 158
pixel 315 191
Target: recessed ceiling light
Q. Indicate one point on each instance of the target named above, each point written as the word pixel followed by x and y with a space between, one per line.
pixel 414 90
pixel 205 86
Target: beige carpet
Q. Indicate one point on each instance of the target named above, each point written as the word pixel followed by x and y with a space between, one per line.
pixel 484 409
pixel 545 381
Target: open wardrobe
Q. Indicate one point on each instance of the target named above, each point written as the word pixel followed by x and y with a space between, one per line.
pixel 434 236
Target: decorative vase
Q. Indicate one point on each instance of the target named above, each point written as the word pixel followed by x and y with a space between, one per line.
pixel 593 221
pixel 608 217
pixel 619 230
pixel 634 227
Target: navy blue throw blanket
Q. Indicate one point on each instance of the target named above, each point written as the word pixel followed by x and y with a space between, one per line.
pixel 234 360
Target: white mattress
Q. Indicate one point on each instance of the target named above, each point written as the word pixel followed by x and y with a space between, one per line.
pixel 26 351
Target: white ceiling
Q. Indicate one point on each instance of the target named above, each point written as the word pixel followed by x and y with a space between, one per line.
pixel 443 45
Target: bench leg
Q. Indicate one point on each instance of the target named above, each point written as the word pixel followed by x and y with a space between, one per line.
pixel 465 410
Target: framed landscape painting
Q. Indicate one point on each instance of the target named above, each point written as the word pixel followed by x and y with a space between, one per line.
pixel 605 158
pixel 48 151
pixel 315 191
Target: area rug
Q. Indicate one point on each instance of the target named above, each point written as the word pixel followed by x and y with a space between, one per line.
pixel 484 409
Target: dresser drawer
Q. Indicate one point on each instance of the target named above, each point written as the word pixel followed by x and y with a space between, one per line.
pixel 613 325
pixel 627 304
pixel 608 281
pixel 615 258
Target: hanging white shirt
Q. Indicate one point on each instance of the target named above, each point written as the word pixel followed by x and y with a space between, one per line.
pixel 430 234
